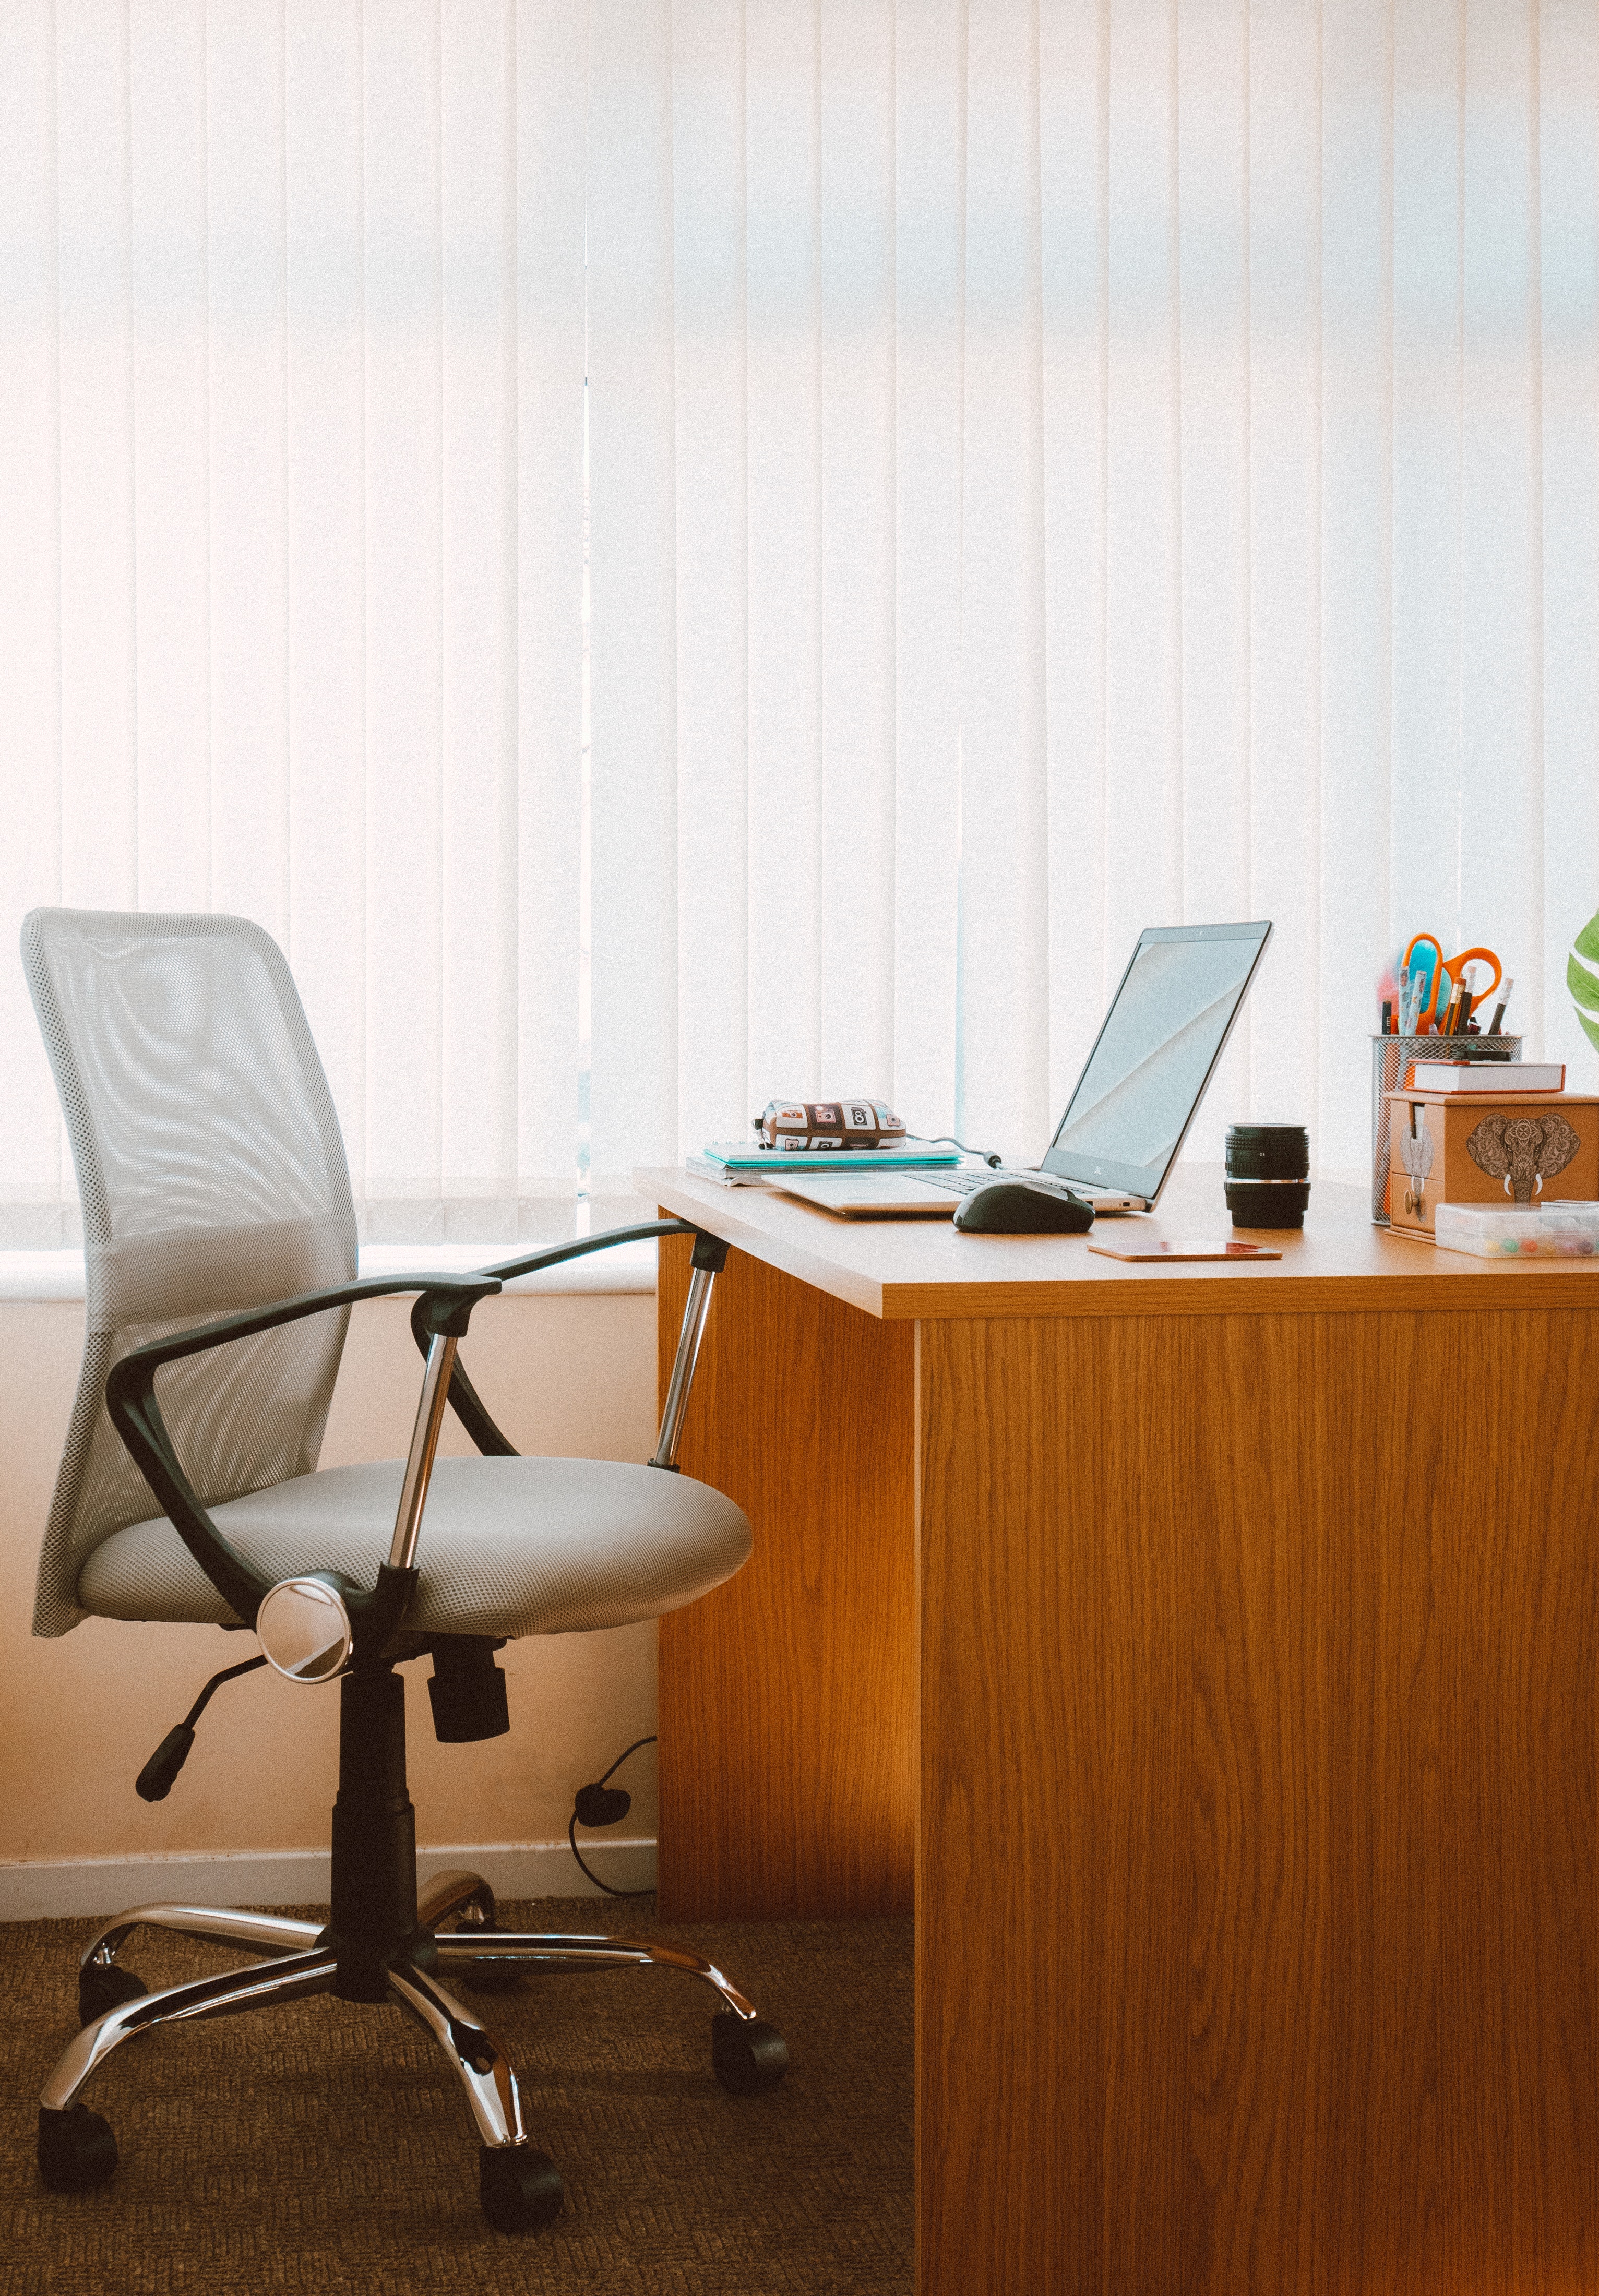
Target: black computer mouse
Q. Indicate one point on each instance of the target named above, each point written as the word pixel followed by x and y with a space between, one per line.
pixel 1022 1208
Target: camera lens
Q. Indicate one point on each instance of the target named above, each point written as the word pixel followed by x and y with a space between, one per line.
pixel 1268 1175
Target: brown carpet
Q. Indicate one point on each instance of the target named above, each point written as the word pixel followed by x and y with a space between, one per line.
pixel 326 2146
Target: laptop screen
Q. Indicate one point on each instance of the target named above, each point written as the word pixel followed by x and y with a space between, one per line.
pixel 1161 1038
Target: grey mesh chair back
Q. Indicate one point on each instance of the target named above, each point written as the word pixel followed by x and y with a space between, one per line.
pixel 213 1179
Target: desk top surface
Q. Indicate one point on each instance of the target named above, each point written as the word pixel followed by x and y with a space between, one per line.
pixel 900 1269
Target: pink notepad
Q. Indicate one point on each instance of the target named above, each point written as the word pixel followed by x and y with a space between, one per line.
pixel 1148 1250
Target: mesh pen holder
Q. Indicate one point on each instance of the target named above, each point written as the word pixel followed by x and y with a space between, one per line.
pixel 1391 1058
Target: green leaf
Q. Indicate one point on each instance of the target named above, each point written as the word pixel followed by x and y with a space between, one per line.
pixel 1590 1030
pixel 1587 943
pixel 1583 985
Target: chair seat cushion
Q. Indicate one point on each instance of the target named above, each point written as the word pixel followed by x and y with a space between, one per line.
pixel 509 1546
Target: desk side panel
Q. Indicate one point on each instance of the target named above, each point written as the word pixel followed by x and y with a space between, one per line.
pixel 1257 1944
pixel 787 1696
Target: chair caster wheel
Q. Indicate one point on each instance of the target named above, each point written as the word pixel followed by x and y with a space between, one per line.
pixel 104 1986
pixel 76 2150
pixel 747 2055
pixel 520 2189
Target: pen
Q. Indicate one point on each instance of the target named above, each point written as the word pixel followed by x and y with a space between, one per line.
pixel 1468 994
pixel 1388 1017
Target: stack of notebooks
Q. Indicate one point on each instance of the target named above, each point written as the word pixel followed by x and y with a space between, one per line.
pixel 746 1164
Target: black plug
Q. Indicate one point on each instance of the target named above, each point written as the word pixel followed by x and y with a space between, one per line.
pixel 155 1781
pixel 602 1805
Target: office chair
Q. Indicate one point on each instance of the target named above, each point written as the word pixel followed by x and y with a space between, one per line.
pixel 219 1243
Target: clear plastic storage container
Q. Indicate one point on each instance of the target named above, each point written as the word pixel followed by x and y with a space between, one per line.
pixel 1557 1231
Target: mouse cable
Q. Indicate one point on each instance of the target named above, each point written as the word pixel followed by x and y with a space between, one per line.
pixel 948 1140
pixel 605 1808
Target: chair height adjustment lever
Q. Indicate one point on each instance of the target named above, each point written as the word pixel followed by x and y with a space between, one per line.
pixel 155 1781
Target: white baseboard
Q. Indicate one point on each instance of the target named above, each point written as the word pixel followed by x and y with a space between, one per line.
pixel 36 1890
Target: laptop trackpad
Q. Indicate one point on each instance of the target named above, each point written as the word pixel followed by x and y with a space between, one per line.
pixel 868 1197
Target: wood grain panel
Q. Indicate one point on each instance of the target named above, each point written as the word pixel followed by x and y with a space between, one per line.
pixel 1256 1942
pixel 787 1696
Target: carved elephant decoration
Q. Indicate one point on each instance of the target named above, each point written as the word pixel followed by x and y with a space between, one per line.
pixel 1523 1151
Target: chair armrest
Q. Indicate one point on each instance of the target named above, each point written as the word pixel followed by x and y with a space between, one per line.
pixel 465 1402
pixel 507 1270
pixel 446 1305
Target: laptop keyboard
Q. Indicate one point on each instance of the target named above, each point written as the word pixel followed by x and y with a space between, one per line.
pixel 962 1183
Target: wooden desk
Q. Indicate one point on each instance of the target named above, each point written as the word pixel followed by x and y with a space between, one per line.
pixel 1214 1649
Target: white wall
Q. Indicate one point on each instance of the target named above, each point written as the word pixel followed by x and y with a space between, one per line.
pixel 79 1717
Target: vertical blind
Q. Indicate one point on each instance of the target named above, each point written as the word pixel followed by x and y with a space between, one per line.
pixel 678 551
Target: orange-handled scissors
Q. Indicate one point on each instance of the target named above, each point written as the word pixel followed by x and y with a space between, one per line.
pixel 1450 967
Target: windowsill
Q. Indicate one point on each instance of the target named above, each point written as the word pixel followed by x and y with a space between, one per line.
pixel 625 1268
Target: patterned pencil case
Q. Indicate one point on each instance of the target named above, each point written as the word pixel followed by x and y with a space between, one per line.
pixel 829 1124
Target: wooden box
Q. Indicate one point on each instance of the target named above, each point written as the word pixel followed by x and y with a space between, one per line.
pixel 1488 1148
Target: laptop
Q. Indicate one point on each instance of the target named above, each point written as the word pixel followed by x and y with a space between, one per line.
pixel 1131 1109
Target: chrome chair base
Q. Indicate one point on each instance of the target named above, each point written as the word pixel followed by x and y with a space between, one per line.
pixel 77 2149
pixel 483 1946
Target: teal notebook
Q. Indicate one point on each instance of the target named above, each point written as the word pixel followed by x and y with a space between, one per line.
pixel 745 1156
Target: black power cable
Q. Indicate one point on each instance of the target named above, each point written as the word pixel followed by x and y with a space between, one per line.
pixel 603 1804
